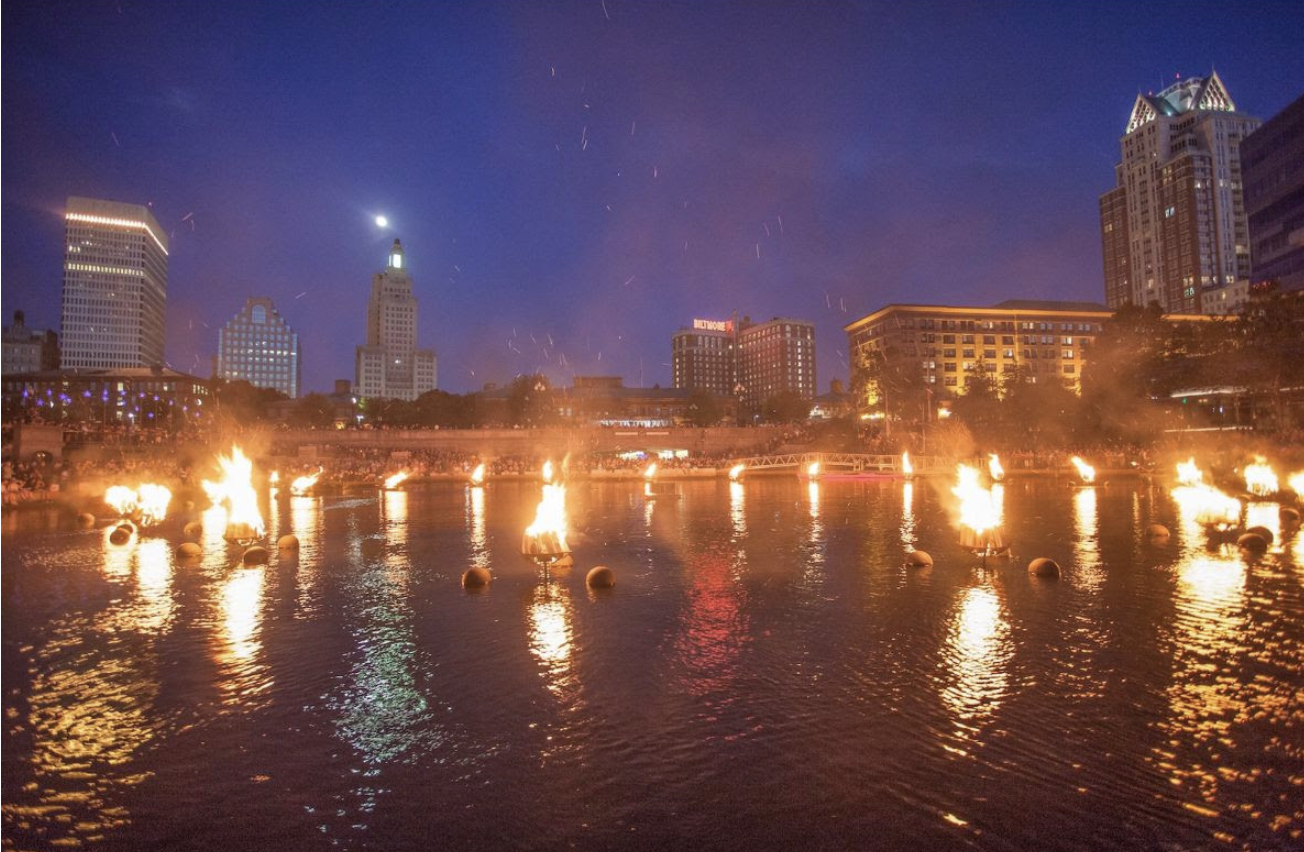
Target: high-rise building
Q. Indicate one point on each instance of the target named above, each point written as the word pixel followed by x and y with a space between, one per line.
pixel 774 357
pixel 1174 228
pixel 389 365
pixel 747 361
pixel 705 357
pixel 258 346
pixel 27 350
pixel 115 286
pixel 1273 160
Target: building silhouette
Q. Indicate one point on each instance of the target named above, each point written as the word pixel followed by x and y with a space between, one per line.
pixel 389 365
pixel 1273 160
pixel 115 286
pixel 1174 229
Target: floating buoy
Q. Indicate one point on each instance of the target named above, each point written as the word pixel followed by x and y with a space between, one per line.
pixel 476 578
pixel 601 577
pixel 1289 516
pixel 86 519
pixel 1262 532
pixel 255 555
pixel 919 559
pixel 120 535
pixel 288 542
pixel 1252 543
pixel 1157 531
pixel 189 550
pixel 194 529
pixel 1044 567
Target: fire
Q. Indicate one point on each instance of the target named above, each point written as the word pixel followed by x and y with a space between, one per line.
pixel 477 475
pixel 994 468
pixel 303 484
pixel 978 509
pixel 906 467
pixel 243 520
pixel 545 539
pixel 736 472
pixel 147 504
pixel 651 471
pixel 275 478
pixel 1086 471
pixel 397 479
pixel 1209 506
pixel 1260 480
pixel 814 470
pixel 1188 473
pixel 1296 482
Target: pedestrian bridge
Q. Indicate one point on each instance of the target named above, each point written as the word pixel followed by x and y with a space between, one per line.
pixel 848 463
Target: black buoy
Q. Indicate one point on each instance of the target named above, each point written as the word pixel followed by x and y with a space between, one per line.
pixel 194 529
pixel 919 559
pixel 288 542
pixel 1157 532
pixel 1289 516
pixel 86 520
pixel 1252 543
pixel 256 555
pixel 1263 533
pixel 476 578
pixel 1044 567
pixel 189 550
pixel 601 577
pixel 120 535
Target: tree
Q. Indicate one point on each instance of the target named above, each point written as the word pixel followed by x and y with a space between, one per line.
pixel 890 382
pixel 704 409
pixel 1122 375
pixel 979 407
pixel 785 407
pixel 1269 345
pixel 315 410
pixel 241 401
pixel 529 402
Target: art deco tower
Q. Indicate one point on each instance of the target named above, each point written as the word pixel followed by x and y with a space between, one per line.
pixel 389 365
pixel 115 286
pixel 1174 230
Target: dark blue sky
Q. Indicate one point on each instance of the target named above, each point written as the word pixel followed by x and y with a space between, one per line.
pixel 573 181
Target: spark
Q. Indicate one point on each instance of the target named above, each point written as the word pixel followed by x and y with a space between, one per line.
pixel 554 70
pixel 627 280
pixel 631 127
pixel 766 226
pixel 655 172
pixel 758 251
pixel 604 10
pixel 115 139
pixel 842 303
pixel 550 343
pixel 458 268
pixel 828 301
pixel 780 224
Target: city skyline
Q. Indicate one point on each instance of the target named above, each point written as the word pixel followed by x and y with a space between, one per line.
pixel 573 183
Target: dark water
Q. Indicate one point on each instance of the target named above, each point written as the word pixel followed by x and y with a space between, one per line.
pixel 765 675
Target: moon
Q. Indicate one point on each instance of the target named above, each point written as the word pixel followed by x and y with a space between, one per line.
pixel 382 222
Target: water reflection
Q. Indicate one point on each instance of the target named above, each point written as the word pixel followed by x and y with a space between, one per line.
pixel 238 651
pixel 475 524
pixel 713 629
pixel 1088 570
pixel 550 635
pixel 737 512
pixel 154 585
pixel 977 657
pixel 307 526
pixel 394 523
pixel 908 516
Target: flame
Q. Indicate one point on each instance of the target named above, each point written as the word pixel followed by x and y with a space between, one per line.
pixel 737 471
pixel 547 472
pixel 1208 506
pixel 147 504
pixel 237 492
pixel 1188 473
pixel 397 479
pixel 477 475
pixel 547 535
pixel 1086 471
pixel 651 471
pixel 978 509
pixel 275 478
pixel 814 469
pixel 303 484
pixel 906 467
pixel 994 468
pixel 1296 482
pixel 1260 480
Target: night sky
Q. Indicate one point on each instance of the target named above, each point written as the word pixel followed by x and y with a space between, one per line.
pixel 574 181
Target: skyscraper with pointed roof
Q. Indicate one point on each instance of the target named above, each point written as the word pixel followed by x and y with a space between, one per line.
pixel 1174 230
pixel 389 365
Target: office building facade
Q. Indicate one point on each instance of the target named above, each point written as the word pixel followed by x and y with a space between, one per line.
pixel 1272 158
pixel 389 365
pixel 258 346
pixel 115 286
pixel 28 350
pixel 1174 229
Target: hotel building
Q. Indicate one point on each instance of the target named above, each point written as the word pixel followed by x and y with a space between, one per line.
pixel 1174 229
pixel 1048 340
pixel 259 347
pixel 389 365
pixel 747 361
pixel 115 286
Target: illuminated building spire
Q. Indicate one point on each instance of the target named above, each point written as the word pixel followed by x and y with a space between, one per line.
pixel 396 256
